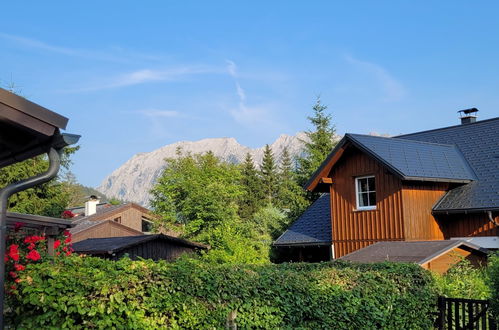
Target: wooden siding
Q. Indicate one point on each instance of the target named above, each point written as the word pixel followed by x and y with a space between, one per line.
pixel 353 229
pixel 442 263
pixel 155 250
pixel 467 225
pixel 129 215
pixel 418 201
pixel 106 229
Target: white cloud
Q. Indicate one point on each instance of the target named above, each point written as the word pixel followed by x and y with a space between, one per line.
pixel 148 76
pixel 115 54
pixel 392 89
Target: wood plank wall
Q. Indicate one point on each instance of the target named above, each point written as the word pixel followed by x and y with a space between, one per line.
pixel 106 229
pixel 467 225
pixel 418 201
pixel 352 229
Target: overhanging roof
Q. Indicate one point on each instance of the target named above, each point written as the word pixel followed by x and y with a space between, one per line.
pixel 37 221
pixel 419 252
pixel 116 244
pixel 27 129
pixel 313 227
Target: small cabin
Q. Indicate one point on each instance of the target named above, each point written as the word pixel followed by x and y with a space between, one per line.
pixel 155 247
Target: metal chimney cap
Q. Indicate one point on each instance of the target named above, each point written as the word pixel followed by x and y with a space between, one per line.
pixel 468 111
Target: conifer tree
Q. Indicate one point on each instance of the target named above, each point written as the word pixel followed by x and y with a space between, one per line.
pixel 319 144
pixel 291 196
pixel 251 200
pixel 268 175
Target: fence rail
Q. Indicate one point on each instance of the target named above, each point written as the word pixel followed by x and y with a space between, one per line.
pixel 457 313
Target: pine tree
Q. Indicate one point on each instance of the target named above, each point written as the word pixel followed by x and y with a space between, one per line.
pixel 291 196
pixel 251 200
pixel 268 175
pixel 319 144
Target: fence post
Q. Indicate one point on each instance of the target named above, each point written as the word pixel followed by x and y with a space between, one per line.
pixel 441 314
pixel 231 320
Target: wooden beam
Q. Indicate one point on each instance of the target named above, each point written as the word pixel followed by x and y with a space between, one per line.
pixel 327 168
pixel 327 180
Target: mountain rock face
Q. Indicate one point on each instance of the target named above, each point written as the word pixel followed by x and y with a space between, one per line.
pixel 134 179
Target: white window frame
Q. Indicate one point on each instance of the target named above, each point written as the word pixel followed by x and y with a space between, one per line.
pixel 363 208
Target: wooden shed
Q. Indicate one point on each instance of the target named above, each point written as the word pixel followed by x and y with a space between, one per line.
pixel 155 247
pixel 437 256
pixel 101 229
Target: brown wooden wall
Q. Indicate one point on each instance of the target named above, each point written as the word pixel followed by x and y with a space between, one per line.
pixel 352 229
pixel 467 225
pixel 418 201
pixel 129 216
pixel 442 263
pixel 106 229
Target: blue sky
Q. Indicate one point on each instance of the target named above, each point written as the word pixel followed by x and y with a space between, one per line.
pixel 134 76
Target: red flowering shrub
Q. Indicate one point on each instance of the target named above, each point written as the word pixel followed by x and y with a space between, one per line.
pixel 67 214
pixel 23 249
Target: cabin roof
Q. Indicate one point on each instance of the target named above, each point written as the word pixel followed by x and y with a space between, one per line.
pixel 313 227
pixel 27 129
pixel 416 160
pixel 111 245
pixel 466 153
pixel 479 144
pixel 419 252
pixel 107 211
pixel 37 221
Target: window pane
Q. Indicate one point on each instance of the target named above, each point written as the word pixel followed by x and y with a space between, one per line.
pixel 371 184
pixel 372 199
pixel 363 200
pixel 363 185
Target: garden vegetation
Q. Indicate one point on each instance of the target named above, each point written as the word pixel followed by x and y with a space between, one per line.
pixel 85 292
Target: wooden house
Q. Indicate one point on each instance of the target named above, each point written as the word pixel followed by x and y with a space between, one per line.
pixel 105 220
pixel 432 185
pixel 155 247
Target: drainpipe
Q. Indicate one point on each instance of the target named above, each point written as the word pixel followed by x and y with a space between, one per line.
pixel 491 218
pixel 55 162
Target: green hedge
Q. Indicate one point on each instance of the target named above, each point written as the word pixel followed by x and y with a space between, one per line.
pixel 494 284
pixel 95 293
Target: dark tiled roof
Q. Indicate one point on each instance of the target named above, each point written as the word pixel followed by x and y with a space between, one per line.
pixel 479 144
pixel 416 160
pixel 418 252
pixel 312 227
pixel 84 225
pixel 114 244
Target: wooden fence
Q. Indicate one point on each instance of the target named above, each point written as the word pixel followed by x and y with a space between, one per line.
pixel 457 313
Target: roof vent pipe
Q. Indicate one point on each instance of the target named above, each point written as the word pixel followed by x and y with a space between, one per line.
pixel 468 116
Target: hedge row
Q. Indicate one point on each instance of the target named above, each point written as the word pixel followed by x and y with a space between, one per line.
pixel 494 284
pixel 94 293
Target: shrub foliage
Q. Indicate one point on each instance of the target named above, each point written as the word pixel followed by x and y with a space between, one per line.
pixel 494 284
pixel 79 292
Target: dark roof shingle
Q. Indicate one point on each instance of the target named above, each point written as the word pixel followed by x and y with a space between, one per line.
pixel 418 252
pixel 312 227
pixel 114 244
pixel 416 160
pixel 479 144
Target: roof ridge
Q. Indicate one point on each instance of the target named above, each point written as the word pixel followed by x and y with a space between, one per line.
pixel 408 140
pixel 453 126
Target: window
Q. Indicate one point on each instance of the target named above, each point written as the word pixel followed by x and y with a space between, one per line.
pixel 146 226
pixel 118 219
pixel 365 189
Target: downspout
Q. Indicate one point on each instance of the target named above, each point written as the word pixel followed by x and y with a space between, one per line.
pixel 491 218
pixel 54 165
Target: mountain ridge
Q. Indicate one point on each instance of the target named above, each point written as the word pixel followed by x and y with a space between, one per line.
pixel 133 180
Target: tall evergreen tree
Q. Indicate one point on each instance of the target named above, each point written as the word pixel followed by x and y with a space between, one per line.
pixel 268 174
pixel 319 144
pixel 291 196
pixel 251 200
